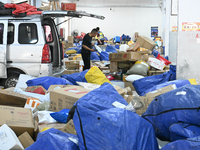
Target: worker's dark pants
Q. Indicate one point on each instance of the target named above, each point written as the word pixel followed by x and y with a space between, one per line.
pixel 86 60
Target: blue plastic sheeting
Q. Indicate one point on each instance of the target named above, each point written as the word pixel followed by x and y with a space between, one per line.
pixel 104 56
pixel 60 116
pixel 126 37
pixel 183 130
pixel 76 77
pixel 94 56
pixel 111 49
pixel 187 144
pixel 117 46
pixel 65 55
pixel 116 39
pixel 155 53
pixel 143 86
pixel 47 81
pixel 72 48
pixel 54 139
pixel 179 105
pixel 101 126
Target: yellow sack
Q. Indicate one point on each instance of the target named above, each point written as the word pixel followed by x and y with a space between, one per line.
pixel 74 58
pixel 95 76
pixel 71 52
pixel 46 128
pixel 130 43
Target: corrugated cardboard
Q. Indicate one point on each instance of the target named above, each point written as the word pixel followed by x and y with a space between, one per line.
pixel 156 72
pixel 70 39
pixel 146 42
pixel 71 67
pixel 145 57
pixel 19 120
pixel 72 62
pixel 52 87
pixel 70 72
pixel 58 126
pixel 66 97
pixel 133 47
pixel 10 98
pixel 69 128
pixel 125 56
pixel 25 140
pixel 113 66
pixel 129 84
pixel 149 97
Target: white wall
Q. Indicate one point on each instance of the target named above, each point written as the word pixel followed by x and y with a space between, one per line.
pixel 120 20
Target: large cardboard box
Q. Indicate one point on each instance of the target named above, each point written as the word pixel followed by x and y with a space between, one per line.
pixel 66 97
pixel 149 97
pixel 10 98
pixel 125 56
pixel 146 42
pixel 25 140
pixel 19 120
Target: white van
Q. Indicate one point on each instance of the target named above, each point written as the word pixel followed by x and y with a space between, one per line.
pixel 31 45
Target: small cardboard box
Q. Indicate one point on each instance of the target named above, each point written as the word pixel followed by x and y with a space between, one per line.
pixel 69 128
pixel 25 140
pixel 66 97
pixel 10 98
pixel 146 42
pixel 145 57
pixel 70 39
pixel 19 120
pixel 133 47
pixel 153 62
pixel 74 62
pixel 156 72
pixel 125 56
pixel 70 72
pixel 129 84
pixel 67 45
pixel 71 67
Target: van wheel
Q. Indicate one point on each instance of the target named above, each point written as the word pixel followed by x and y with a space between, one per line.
pixel 12 80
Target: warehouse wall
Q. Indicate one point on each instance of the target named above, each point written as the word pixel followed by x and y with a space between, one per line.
pixel 121 20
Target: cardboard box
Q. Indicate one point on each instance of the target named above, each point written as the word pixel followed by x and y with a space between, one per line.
pixel 9 140
pixel 128 98
pixel 153 62
pixel 129 84
pixel 25 140
pixel 146 42
pixel 145 57
pixel 145 52
pixel 67 45
pixel 149 97
pixel 19 120
pixel 156 72
pixel 69 128
pixel 133 47
pixel 66 97
pixel 73 62
pixel 68 6
pixel 113 66
pixel 10 98
pixel 70 39
pixel 58 126
pixel 71 67
pixel 125 56
pixel 52 87
pixel 124 77
pixel 70 72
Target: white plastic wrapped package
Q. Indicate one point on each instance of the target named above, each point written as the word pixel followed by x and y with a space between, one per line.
pixel 123 47
pixel 44 117
pixel 42 98
pixel 132 78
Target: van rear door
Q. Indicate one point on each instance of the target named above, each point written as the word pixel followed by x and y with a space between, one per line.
pixel 3 48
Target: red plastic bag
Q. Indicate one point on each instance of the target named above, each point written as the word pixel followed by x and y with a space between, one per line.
pixel 167 62
pixel 110 78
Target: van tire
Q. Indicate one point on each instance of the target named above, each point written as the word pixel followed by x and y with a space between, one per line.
pixel 11 80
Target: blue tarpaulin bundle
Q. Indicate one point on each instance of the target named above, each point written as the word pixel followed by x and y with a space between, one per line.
pixel 104 56
pixel 126 37
pixel 178 106
pixel 186 144
pixel 94 56
pixel 54 139
pixel 101 126
pixel 143 86
pixel 111 49
pixel 47 81
pixel 116 39
pixel 76 77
